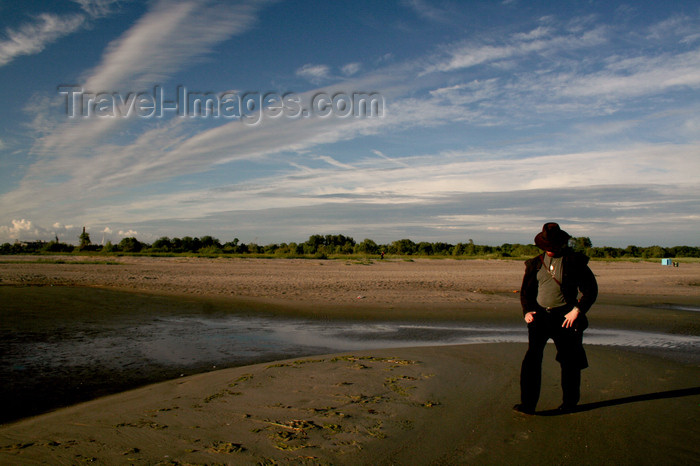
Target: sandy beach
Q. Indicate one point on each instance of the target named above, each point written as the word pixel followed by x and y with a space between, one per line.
pixel 420 405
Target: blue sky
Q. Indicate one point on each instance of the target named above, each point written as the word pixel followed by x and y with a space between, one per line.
pixel 492 118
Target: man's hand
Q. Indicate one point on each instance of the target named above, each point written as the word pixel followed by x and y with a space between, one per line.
pixel 530 316
pixel 570 318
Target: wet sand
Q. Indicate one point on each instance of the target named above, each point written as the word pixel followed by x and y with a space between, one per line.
pixel 427 405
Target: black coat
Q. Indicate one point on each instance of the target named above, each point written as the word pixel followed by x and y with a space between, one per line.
pixel 577 277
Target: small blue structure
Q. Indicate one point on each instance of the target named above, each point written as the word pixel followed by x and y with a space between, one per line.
pixel 666 262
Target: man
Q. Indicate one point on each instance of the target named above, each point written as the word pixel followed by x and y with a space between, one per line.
pixel 558 289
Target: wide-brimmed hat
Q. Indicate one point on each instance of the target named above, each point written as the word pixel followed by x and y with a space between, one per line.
pixel 552 238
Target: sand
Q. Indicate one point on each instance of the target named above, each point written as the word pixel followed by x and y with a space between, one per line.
pixel 428 405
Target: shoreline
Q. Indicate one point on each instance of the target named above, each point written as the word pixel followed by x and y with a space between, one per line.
pixel 53 295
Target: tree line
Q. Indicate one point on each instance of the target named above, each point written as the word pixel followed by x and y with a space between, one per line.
pixel 323 246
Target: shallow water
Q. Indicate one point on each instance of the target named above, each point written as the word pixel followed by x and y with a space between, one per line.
pixel 677 307
pixel 86 361
pixel 235 340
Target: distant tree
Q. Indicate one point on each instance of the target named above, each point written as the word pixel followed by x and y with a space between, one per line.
pixel 424 248
pixel 209 241
pixel 403 247
pixel 505 250
pixel 581 243
pixel 255 249
pixel 209 245
pixel 55 246
pixel 525 250
pixel 162 244
pixel 367 246
pixel 654 252
pixel 296 248
pixel 231 247
pixel 272 248
pixel 684 251
pixel 84 239
pixel 312 245
pixel 632 251
pixel 189 244
pixel 443 249
pixel 469 249
pixel 130 244
pixel 605 252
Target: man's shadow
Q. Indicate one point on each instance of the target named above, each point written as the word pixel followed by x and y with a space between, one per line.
pixel 625 400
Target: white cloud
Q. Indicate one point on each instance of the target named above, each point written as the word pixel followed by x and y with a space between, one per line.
pixel 20 230
pixel 351 68
pixel 95 185
pixel 536 33
pixel 421 180
pixel 21 225
pixel 335 163
pixel 31 38
pixel 636 77
pixel 539 40
pixel 314 73
pixel 173 151
pixel 128 233
pixel 379 153
pixel 97 8
pixel 677 27
pixel 427 11
pixel 169 37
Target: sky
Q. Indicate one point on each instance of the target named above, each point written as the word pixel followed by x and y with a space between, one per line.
pixel 270 121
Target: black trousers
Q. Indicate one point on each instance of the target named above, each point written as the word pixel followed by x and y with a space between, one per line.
pixel 570 354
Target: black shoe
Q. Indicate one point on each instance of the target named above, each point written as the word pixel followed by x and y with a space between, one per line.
pixel 521 408
pixel 566 408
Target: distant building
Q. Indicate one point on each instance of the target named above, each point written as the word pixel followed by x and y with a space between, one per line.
pixel 666 262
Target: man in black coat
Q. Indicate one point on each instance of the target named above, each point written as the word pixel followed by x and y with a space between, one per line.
pixel 558 289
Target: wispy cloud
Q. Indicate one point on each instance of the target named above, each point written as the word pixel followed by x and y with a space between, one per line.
pixel 427 11
pixel 314 73
pixel 541 40
pixel 478 84
pixel 426 179
pixel 171 149
pixel 636 76
pixel 31 38
pixel 351 68
pixel 97 8
pixel 170 37
pixel 167 39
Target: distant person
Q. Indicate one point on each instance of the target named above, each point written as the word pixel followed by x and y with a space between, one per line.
pixel 558 289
